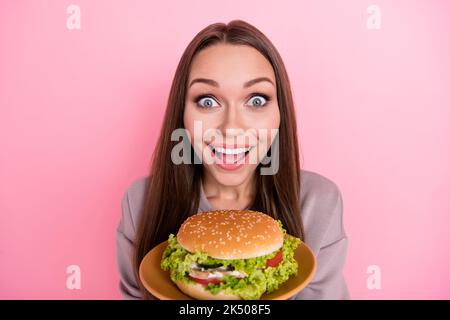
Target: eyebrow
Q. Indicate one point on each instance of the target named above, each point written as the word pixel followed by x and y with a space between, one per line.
pixel 216 84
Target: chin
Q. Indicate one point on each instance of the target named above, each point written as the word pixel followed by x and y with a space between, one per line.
pixel 232 178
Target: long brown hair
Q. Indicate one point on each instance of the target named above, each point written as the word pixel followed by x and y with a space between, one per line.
pixel 173 191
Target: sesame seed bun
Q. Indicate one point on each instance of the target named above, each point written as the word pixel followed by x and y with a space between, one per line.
pixel 231 234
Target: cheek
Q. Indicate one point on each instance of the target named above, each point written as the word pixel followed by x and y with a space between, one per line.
pixel 274 124
pixel 188 119
pixel 196 123
pixel 264 119
pixel 268 125
pixel 189 123
pixel 273 119
pixel 191 119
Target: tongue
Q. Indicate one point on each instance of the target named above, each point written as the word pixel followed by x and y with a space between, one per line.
pixel 233 158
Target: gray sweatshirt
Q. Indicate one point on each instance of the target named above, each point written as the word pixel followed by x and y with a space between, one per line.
pixel 321 209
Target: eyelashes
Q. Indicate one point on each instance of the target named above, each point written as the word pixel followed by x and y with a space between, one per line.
pixel 253 95
pixel 199 98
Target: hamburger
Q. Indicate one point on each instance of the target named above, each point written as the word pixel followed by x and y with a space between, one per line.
pixel 230 254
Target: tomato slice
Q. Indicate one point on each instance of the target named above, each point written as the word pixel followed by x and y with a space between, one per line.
pixel 275 261
pixel 205 282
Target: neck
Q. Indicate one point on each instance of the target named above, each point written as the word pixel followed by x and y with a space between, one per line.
pixel 242 192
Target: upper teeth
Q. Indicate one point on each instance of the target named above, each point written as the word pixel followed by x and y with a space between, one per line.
pixel 231 151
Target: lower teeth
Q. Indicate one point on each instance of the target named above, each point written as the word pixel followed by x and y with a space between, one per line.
pixel 230 158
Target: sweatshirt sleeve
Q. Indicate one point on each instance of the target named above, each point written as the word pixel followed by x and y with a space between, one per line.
pixel 125 235
pixel 328 282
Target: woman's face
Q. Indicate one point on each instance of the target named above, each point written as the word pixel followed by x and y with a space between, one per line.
pixel 230 118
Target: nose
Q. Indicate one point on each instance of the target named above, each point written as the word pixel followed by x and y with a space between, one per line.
pixel 231 123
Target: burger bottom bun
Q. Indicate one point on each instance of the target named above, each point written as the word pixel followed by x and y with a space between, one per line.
pixel 197 291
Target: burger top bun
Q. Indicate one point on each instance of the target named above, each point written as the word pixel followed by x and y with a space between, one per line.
pixel 231 234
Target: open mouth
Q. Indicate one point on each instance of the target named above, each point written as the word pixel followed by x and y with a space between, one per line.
pixel 227 155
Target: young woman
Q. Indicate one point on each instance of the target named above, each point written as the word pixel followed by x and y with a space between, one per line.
pixel 232 97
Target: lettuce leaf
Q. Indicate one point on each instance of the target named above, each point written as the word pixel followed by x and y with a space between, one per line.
pixel 259 280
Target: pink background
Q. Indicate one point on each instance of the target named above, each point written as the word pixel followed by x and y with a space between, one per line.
pixel 80 111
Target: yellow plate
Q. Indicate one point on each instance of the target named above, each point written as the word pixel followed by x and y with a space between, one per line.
pixel 159 284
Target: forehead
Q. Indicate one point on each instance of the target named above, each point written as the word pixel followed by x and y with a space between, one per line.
pixel 227 64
